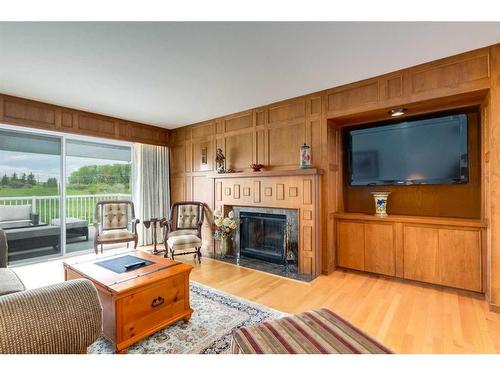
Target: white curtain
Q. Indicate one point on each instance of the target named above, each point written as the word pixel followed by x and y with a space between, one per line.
pixel 150 187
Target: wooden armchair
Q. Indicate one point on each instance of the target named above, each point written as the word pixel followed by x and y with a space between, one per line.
pixel 183 229
pixel 114 222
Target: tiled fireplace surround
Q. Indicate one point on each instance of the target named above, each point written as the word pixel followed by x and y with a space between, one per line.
pixel 292 193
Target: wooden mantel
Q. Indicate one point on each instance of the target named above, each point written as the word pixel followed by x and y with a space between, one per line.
pixel 272 173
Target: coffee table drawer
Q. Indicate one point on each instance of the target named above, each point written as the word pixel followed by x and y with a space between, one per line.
pixel 152 306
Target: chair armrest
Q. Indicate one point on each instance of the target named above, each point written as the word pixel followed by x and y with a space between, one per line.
pixel 167 224
pixel 133 224
pixel 58 319
pixel 97 227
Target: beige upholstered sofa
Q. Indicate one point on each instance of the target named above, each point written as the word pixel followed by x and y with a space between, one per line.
pixel 16 216
pixel 58 319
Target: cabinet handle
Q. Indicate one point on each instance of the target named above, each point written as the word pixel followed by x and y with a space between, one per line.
pixel 157 301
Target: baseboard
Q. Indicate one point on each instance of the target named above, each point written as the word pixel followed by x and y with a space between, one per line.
pixel 494 308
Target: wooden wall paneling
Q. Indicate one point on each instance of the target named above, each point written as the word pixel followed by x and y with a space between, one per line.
pixel 287 111
pixel 441 77
pixel 380 249
pixel 177 189
pixel 391 86
pixel 494 181
pixel 188 187
pixel 238 121
pixel 284 143
pixel 239 150
pixel 177 159
pixel 306 255
pixel 446 83
pixel 67 122
pixel 203 155
pixel 351 245
pixel 20 111
pixel 94 125
pixel 30 113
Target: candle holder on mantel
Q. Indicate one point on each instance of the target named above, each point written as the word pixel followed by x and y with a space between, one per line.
pixel 380 198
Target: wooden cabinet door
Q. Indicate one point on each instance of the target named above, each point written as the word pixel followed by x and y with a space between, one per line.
pixel 351 245
pixel 421 260
pixel 379 249
pixel 460 258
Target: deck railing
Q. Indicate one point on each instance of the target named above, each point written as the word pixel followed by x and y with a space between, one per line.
pixel 77 206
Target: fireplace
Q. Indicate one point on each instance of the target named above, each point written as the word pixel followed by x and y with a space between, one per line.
pixel 262 236
pixel 267 235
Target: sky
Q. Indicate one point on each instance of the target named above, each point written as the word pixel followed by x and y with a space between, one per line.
pixel 42 166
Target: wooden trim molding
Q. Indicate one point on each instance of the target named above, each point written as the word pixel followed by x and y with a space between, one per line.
pixel 34 114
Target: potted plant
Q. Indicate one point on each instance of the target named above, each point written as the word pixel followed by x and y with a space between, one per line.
pixel 224 229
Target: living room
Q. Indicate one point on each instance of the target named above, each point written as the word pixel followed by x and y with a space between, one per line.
pixel 245 188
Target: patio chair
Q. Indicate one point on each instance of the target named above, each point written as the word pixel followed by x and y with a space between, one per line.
pixel 183 229
pixel 114 222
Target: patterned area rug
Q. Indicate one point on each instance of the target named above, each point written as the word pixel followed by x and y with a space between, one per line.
pixel 215 316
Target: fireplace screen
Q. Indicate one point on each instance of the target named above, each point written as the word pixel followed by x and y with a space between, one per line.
pixel 262 236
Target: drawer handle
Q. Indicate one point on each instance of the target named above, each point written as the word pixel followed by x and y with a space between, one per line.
pixel 157 301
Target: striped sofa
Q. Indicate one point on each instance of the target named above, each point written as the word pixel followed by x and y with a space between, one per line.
pixel 314 332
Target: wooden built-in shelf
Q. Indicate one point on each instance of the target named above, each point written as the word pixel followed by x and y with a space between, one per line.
pixel 431 220
pixel 273 173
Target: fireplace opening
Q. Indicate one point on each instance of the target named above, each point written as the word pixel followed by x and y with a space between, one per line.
pixel 262 236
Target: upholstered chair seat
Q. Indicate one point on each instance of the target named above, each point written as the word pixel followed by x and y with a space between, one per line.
pixel 183 232
pixel 183 229
pixel 115 222
pixel 116 234
pixel 183 242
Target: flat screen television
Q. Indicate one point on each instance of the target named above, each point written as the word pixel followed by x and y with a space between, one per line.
pixel 425 151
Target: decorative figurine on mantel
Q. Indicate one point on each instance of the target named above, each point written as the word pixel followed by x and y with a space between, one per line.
pixel 305 156
pixel 220 161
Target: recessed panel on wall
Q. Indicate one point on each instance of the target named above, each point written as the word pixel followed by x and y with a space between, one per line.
pixel 18 110
pixel 202 131
pixel 284 145
pixel 238 122
pixel 176 189
pixel 203 190
pixel 353 96
pixel 95 125
pixel 177 159
pixel 449 75
pixel 239 151
pixel 290 110
pixel 203 156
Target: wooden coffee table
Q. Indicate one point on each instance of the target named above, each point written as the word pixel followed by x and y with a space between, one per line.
pixel 138 302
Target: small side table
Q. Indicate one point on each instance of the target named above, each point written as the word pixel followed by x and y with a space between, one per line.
pixel 153 223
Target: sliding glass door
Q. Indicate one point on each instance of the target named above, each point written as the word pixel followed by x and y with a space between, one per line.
pixel 94 172
pixel 30 194
pixel 40 172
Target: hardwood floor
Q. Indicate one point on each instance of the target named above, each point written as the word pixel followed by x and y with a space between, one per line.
pixel 405 316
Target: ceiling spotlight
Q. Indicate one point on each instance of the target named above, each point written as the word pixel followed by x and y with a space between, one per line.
pixel 397 112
